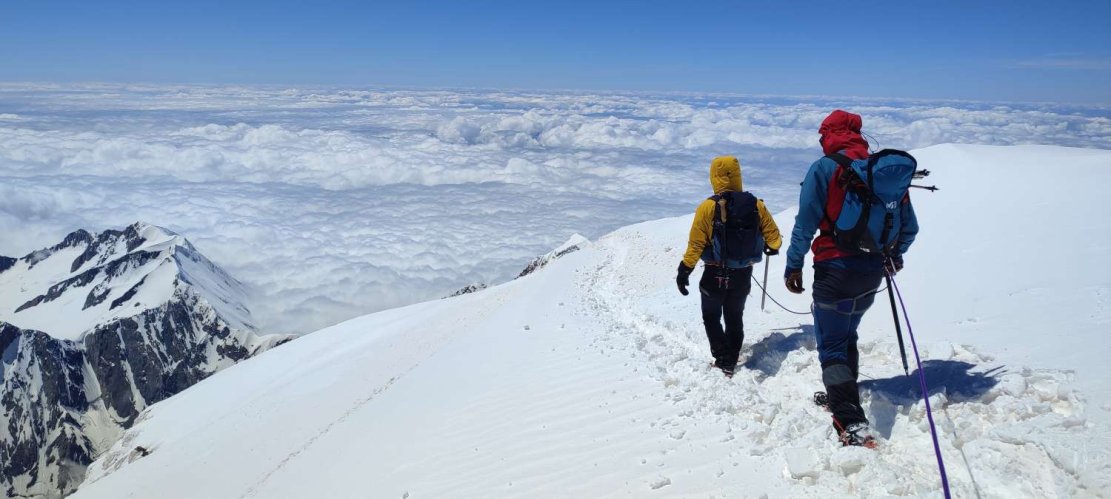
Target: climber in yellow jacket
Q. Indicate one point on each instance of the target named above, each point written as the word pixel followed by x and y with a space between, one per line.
pixel 732 230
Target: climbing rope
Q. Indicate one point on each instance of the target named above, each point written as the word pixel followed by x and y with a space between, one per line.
pixel 925 390
pixel 757 281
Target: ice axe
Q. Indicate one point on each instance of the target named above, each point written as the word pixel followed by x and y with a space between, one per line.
pixel 765 288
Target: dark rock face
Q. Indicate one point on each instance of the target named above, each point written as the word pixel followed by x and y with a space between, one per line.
pixel 101 245
pixel 63 402
pixel 73 240
pixel 43 402
pixel 468 289
pixel 155 355
pixel 124 297
pixel 114 269
pixel 540 261
pixel 56 290
pixel 160 352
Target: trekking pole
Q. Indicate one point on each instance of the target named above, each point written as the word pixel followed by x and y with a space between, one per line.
pixel 895 314
pixel 765 288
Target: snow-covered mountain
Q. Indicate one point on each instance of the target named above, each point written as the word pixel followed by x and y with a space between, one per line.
pixel 94 330
pixel 590 377
pixel 572 245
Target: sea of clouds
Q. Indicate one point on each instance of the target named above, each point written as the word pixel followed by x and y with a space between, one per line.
pixel 333 203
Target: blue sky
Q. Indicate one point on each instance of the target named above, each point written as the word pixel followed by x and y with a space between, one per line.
pixel 1016 51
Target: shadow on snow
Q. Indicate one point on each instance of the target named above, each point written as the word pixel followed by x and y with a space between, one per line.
pixel 769 353
pixel 956 379
pixel 961 382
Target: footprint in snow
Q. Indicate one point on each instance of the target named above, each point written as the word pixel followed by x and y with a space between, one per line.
pixel 661 483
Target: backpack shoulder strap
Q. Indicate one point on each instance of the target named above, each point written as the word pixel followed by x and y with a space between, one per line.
pixel 841 159
pixel 719 203
pixel 843 163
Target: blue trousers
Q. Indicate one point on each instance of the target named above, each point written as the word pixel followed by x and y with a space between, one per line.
pixel 841 296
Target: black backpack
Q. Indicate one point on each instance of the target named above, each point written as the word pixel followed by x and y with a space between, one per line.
pixel 737 240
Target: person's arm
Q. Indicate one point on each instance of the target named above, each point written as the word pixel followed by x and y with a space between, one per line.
pixel 909 229
pixel 772 238
pixel 701 230
pixel 812 206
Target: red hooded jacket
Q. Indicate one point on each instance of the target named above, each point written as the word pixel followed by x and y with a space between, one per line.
pixel 840 133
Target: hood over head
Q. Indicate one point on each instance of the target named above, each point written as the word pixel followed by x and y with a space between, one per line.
pixel 725 174
pixel 841 132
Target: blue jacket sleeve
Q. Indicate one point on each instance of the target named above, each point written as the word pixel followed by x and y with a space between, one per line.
pixel 812 207
pixel 909 228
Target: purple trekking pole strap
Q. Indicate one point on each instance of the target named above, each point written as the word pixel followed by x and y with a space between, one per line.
pixel 925 391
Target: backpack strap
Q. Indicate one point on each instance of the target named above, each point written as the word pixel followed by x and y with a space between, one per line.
pixel 841 159
pixel 843 163
pixel 717 221
pixel 719 203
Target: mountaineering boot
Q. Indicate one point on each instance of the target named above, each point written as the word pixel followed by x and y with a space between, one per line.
pixel 728 371
pixel 858 434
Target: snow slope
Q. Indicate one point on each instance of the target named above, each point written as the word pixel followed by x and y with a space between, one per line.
pixel 590 376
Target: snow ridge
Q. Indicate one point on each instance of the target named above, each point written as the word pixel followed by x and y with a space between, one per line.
pixel 575 243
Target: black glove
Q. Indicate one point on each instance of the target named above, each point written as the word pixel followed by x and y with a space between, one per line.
pixel 769 251
pixel 894 264
pixel 793 279
pixel 683 279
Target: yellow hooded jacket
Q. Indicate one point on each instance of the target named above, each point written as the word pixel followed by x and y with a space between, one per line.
pixel 725 175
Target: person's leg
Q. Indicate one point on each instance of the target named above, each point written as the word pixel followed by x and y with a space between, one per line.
pixel 838 374
pixel 833 325
pixel 860 284
pixel 713 300
pixel 854 358
pixel 734 308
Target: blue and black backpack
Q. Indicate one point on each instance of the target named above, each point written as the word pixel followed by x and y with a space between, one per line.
pixel 875 188
pixel 737 240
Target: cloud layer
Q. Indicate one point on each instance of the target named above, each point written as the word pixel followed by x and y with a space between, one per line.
pixel 333 203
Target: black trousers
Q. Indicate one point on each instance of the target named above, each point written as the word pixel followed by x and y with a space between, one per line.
pixel 841 297
pixel 724 292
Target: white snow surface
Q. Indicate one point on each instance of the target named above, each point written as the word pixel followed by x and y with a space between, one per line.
pixel 590 377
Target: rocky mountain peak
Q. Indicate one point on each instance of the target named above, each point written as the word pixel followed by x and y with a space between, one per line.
pixel 95 329
pixel 90 279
